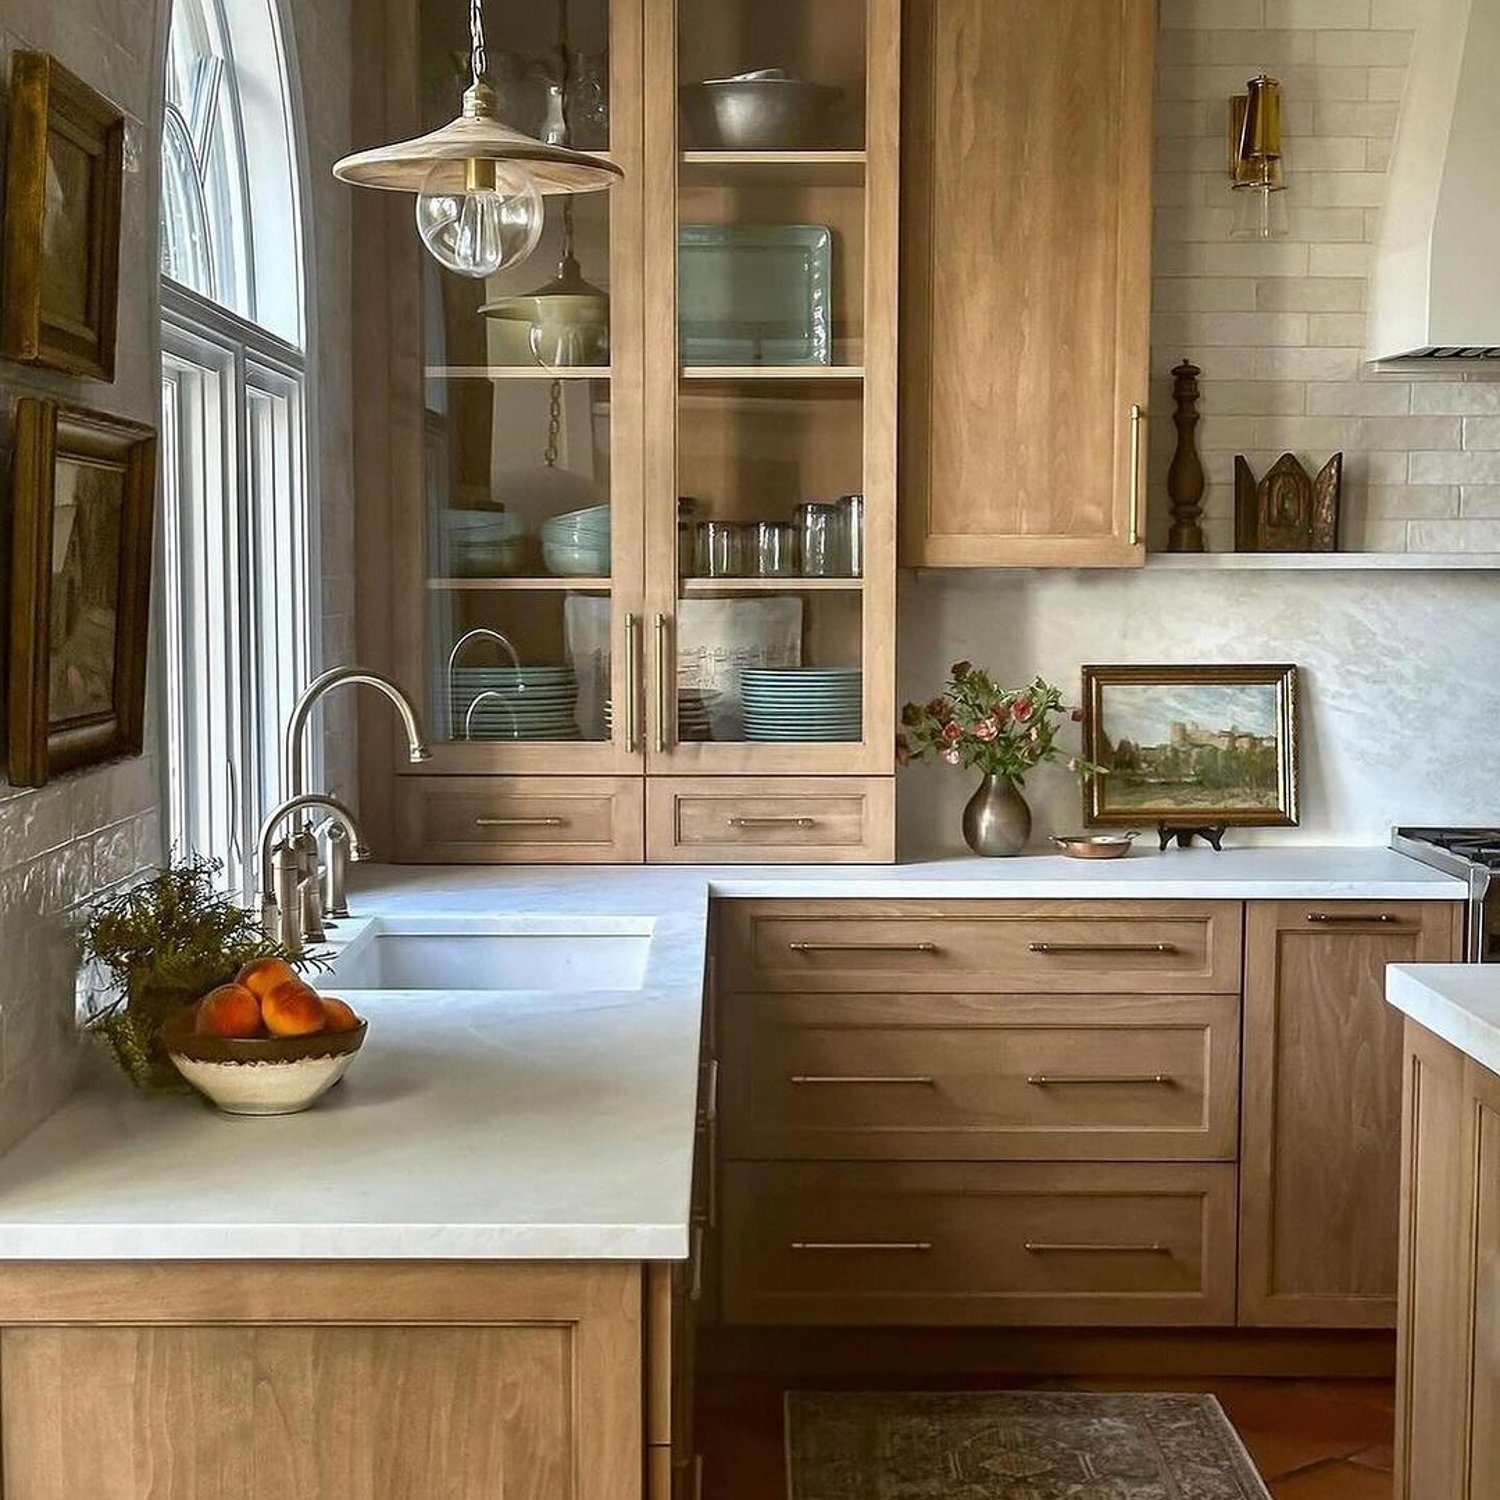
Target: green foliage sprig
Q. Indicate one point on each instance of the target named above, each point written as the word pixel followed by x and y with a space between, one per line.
pixel 165 943
pixel 978 724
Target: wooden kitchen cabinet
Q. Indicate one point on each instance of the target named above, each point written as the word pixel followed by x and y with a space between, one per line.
pixel 1448 1367
pixel 321 1381
pixel 1026 250
pixel 1322 1107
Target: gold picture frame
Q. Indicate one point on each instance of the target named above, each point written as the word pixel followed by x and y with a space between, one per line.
pixel 81 546
pixel 1191 746
pixel 65 166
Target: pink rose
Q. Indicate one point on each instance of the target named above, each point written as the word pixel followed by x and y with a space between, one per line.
pixel 951 756
pixel 986 729
pixel 951 732
pixel 1022 709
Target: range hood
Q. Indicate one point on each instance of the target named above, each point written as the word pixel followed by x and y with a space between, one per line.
pixel 1435 287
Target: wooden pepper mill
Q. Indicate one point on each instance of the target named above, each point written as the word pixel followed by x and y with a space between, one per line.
pixel 1185 480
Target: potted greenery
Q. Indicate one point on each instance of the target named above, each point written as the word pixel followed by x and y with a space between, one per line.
pixel 1004 734
pixel 165 943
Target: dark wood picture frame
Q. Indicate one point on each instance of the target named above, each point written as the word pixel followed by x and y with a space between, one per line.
pixel 1097 681
pixel 48 435
pixel 51 110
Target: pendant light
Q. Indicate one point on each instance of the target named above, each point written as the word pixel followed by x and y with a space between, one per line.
pixel 479 183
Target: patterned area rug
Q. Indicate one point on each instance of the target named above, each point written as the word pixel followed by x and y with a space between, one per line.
pixel 1014 1445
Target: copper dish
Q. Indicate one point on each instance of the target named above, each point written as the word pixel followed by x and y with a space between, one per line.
pixel 1095 845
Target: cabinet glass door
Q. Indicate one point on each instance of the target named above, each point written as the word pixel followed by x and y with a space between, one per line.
pixel 528 535
pixel 772 479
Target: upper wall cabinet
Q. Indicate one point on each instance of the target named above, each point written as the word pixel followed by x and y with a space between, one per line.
pixel 1027 141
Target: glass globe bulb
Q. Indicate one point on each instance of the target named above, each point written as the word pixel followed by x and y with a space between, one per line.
pixel 494 220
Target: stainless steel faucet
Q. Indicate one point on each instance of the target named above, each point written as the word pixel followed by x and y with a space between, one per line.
pixel 303 843
pixel 284 885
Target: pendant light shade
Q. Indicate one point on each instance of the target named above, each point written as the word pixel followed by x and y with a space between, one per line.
pixel 441 160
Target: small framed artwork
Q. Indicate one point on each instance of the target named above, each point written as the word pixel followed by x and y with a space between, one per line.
pixel 81 545
pixel 64 179
pixel 1191 746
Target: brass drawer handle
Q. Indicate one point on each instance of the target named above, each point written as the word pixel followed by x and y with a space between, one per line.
pixel 1058 1080
pixel 773 822
pixel 863 947
pixel 1057 948
pixel 829 1080
pixel 1034 1247
pixel 1383 918
pixel 859 1247
pixel 520 822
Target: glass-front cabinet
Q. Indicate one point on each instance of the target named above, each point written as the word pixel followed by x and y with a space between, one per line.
pixel 643 564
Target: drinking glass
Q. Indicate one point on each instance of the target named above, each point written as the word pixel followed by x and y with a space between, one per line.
pixel 775 549
pixel 819 526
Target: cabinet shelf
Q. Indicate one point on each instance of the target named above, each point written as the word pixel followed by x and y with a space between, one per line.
pixel 693 586
pixel 509 585
pixel 516 372
pixel 767 168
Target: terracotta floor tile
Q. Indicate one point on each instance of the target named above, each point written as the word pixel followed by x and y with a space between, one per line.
pixel 1335 1482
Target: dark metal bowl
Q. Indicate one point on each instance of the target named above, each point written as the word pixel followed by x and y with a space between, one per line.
pixel 755 114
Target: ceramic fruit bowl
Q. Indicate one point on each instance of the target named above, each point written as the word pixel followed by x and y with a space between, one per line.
pixel 1095 845
pixel 261 1075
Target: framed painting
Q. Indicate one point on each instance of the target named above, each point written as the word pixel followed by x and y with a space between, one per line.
pixel 64 177
pixel 1191 746
pixel 81 546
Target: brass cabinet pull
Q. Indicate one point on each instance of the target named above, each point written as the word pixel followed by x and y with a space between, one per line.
pixel 520 822
pixel 863 947
pixel 1330 918
pixel 1137 421
pixel 1057 948
pixel 859 1247
pixel 632 685
pixel 773 822
pixel 1064 1080
pixel 1034 1247
pixel 831 1080
pixel 662 697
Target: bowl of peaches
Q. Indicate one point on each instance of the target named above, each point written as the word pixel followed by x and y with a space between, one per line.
pixel 267 1043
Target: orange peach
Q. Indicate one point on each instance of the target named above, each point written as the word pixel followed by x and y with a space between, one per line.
pixel 261 975
pixel 293 1009
pixel 340 1014
pixel 230 1011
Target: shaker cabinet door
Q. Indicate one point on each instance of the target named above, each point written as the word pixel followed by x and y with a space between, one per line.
pixel 1026 249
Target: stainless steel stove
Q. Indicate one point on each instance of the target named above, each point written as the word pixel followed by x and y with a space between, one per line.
pixel 1472 854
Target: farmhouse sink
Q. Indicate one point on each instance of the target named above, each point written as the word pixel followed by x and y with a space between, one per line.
pixel 494 953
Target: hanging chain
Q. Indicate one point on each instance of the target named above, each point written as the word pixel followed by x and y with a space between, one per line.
pixel 554 425
pixel 478 58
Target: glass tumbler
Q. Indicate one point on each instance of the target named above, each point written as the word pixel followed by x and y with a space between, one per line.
pixel 775 549
pixel 852 534
pixel 721 549
pixel 819 527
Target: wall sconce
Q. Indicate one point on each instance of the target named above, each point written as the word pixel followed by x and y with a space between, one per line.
pixel 1255 161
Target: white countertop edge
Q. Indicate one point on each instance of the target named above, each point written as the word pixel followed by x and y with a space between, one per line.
pixel 460 1242
pixel 1458 1002
pixel 1153 887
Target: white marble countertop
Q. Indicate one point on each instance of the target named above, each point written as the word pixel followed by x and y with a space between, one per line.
pixel 1458 1002
pixel 524 1125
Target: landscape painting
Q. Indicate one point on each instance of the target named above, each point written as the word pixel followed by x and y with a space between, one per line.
pixel 1192 746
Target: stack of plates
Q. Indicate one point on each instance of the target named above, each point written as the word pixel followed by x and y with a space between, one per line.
pixel 577 545
pixel 535 703
pixel 693 726
pixel 802 703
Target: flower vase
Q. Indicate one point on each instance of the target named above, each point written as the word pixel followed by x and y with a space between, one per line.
pixel 997 821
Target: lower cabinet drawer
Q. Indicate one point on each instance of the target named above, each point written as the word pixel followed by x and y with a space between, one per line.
pixel 519 820
pixel 902 1243
pixel 975 1077
pixel 771 820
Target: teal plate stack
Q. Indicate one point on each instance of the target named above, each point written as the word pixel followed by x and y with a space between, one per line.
pixel 534 703
pixel 793 704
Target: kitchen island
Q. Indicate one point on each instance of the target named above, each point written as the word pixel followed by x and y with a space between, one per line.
pixel 498 1211
pixel 1448 1370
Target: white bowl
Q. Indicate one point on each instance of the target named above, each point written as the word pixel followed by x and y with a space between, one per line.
pixel 575 562
pixel 264 1088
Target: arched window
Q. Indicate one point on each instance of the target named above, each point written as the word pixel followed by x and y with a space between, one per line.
pixel 237 589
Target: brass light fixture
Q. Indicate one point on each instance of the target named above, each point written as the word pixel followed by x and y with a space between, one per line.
pixel 1255 160
pixel 479 183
